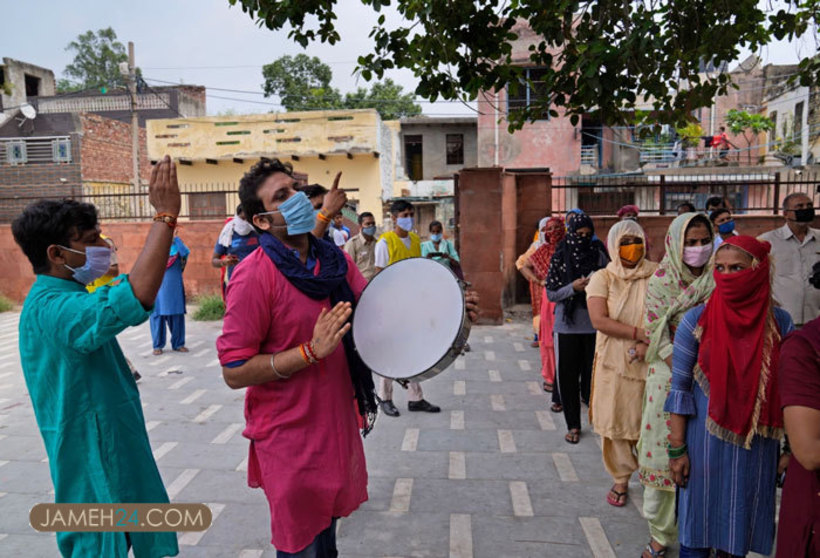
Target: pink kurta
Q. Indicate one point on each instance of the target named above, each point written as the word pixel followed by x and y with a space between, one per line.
pixel 305 452
pixel 546 342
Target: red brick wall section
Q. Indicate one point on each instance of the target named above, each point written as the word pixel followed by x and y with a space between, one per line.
pixel 480 238
pixel 106 150
pixel 16 276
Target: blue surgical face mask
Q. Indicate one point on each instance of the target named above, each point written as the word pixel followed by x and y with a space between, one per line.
pixel 369 231
pixel 298 213
pixel 436 237
pixel 727 227
pixel 97 262
pixel 405 223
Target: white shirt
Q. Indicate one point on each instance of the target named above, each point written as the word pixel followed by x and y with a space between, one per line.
pixel 719 240
pixel 793 261
pixel 383 253
pixel 339 237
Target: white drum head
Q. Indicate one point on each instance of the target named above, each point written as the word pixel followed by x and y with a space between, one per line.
pixel 408 318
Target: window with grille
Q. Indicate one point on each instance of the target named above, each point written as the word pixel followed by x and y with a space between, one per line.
pixel 529 91
pixel 207 205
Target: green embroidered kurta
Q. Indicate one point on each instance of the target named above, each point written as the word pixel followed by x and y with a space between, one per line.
pixel 88 407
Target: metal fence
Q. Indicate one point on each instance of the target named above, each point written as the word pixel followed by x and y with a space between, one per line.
pixel 118 202
pixel 748 193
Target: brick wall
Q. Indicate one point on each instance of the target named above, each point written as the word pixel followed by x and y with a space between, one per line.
pixel 106 150
pixel 16 276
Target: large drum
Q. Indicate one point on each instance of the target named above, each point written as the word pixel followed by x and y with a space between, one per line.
pixel 411 321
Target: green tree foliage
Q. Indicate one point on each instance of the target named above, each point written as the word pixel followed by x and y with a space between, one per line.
pixel 303 83
pixel 387 97
pixel 97 56
pixel 750 126
pixel 690 134
pixel 603 58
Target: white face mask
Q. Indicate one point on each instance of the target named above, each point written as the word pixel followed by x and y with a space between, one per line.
pixel 97 262
pixel 697 256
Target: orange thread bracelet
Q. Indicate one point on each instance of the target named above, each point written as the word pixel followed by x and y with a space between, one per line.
pixel 322 217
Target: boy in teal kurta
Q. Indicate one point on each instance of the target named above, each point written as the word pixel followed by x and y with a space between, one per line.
pixel 84 396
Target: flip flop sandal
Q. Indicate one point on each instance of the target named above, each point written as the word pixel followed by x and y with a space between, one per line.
pixel 617 502
pixel 573 437
pixel 654 553
pixel 557 408
pixel 548 387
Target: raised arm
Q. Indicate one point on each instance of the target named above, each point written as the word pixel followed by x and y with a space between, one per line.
pixel 149 269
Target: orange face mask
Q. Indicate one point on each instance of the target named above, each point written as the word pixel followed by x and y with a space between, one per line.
pixel 631 252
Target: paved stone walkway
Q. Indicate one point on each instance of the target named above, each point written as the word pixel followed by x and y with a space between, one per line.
pixel 490 476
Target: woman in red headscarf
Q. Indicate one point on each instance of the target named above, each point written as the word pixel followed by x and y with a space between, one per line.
pixel 726 420
pixel 539 265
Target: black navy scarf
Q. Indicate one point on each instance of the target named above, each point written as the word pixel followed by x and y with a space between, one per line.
pixel 331 282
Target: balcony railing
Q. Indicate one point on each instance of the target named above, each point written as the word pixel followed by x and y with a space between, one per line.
pixel 42 149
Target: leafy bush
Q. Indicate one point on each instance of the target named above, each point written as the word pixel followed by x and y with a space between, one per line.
pixel 5 304
pixel 211 308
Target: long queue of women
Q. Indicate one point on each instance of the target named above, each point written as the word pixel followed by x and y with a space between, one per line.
pixel 677 363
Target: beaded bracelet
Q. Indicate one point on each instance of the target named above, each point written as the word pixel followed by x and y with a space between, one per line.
pixel 676 453
pixel 311 351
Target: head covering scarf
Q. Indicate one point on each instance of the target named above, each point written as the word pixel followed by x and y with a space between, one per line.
pixel 540 259
pixel 616 267
pixel 628 209
pixel 739 349
pixel 237 225
pixel 331 282
pixel 575 257
pixel 674 289
pixel 541 237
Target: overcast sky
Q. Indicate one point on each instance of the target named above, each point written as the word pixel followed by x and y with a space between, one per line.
pixel 210 43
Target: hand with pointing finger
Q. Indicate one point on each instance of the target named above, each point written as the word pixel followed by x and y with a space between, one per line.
pixel 335 199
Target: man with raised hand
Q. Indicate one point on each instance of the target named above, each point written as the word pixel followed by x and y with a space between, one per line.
pixel 84 397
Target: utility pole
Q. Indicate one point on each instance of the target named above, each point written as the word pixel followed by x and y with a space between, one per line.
pixel 135 132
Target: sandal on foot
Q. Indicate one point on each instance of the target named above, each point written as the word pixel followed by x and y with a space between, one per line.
pixel 573 436
pixel 181 349
pixel 557 408
pixel 615 498
pixel 157 351
pixel 548 387
pixel 652 552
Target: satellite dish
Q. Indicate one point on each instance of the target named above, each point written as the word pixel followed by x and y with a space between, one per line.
pixel 28 111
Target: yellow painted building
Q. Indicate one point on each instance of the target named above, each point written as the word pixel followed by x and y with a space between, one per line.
pixel 215 151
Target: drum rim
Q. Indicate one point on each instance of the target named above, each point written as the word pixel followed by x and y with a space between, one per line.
pixel 459 282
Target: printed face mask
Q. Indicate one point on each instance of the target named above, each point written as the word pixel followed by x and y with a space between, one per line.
pixel 298 213
pixel 631 252
pixel 697 256
pixel 97 262
pixel 405 223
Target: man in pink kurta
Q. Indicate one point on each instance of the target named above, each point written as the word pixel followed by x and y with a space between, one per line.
pixel 306 452
pixel 305 448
